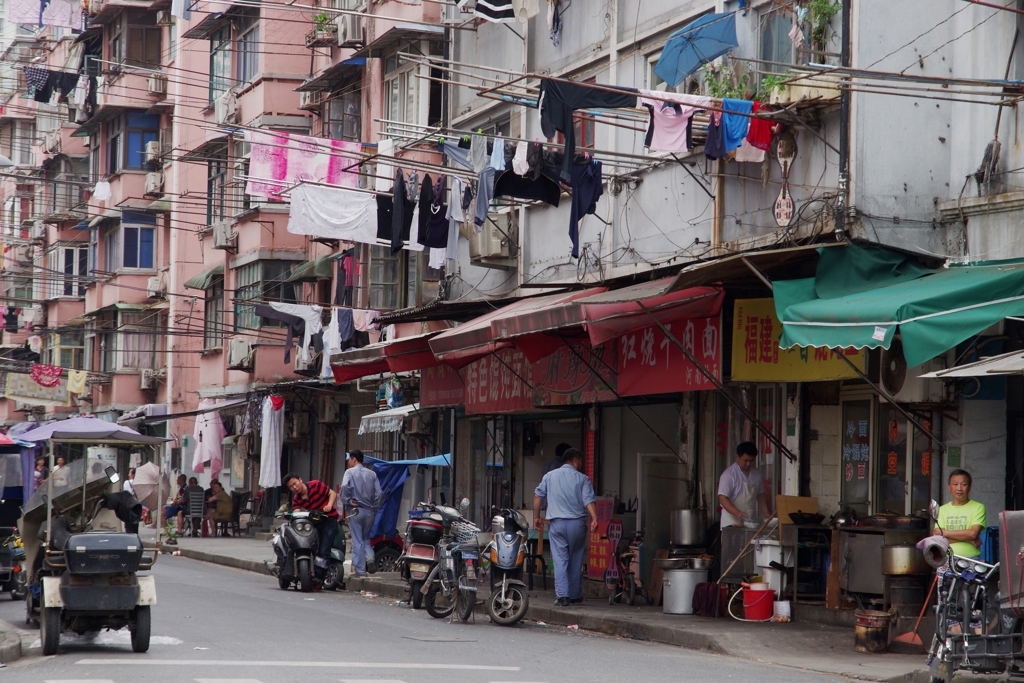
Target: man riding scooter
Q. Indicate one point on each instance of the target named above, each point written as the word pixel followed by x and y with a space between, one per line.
pixel 316 496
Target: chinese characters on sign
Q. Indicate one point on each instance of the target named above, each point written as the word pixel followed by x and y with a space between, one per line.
pixel 500 381
pixel 441 385
pixel 600 559
pixel 756 355
pixel 573 377
pixel 855 444
pixel 649 363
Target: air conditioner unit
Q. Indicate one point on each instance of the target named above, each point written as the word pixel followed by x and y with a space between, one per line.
pixel 51 142
pixel 240 354
pixel 311 100
pixel 496 244
pixel 300 365
pixel 300 425
pixel 415 424
pixel 223 238
pixel 155 183
pixel 350 30
pixel 906 384
pixel 147 380
pixel 154 150
pixel 329 410
pixel 164 18
pixel 157 84
pixel 225 109
pixel 155 288
pixel 38 231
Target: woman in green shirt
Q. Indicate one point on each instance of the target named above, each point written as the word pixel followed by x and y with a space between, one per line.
pixel 962 519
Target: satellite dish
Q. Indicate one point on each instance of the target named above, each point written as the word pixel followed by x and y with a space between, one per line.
pixel 894 367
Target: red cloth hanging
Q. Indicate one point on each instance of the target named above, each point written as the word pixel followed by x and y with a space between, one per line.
pixel 277 402
pixel 759 135
pixel 46 375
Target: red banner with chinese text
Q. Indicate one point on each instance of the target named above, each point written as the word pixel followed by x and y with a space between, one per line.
pixel 441 385
pixel 574 377
pixel 499 383
pixel 649 363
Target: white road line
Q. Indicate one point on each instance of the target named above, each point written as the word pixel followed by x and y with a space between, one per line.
pixel 83 680
pixel 371 680
pixel 227 680
pixel 145 661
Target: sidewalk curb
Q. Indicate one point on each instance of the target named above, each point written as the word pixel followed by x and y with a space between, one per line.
pixel 622 628
pixel 10 647
pixel 223 560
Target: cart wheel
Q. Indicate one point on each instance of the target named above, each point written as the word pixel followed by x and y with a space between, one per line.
pixel 50 627
pixel 143 625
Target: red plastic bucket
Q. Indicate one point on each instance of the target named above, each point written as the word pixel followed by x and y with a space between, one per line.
pixel 758 605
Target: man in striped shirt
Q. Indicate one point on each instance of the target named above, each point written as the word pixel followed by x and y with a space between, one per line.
pixel 316 496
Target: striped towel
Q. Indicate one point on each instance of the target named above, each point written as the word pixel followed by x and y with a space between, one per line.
pixel 499 11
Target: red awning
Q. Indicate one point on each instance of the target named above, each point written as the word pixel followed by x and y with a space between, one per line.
pixel 400 355
pixel 464 344
pixel 606 315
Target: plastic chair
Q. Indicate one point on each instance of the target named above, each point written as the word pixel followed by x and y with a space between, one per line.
pixel 195 510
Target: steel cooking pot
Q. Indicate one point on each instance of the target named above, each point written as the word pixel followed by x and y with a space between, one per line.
pixel 902 560
pixel 686 527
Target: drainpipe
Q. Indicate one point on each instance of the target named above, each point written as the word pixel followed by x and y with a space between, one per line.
pixel 844 127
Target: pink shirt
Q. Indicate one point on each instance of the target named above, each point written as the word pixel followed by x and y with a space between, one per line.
pixel 666 130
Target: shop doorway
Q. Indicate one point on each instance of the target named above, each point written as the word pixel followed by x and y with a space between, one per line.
pixel 662 486
pixel 906 461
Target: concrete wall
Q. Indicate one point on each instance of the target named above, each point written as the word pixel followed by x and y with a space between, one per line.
pixel 981 435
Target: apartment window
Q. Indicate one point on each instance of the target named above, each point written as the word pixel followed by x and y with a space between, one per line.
pixel 776 45
pixel 128 340
pixel 386 285
pixel 135 39
pixel 17 142
pixel 66 269
pixel 691 84
pixel 132 244
pixel 213 315
pixel 66 349
pixel 240 201
pixel 401 93
pixel 260 282
pixel 66 192
pixel 247 48
pixel 217 186
pixel 343 116
pixel 220 63
pixel 127 136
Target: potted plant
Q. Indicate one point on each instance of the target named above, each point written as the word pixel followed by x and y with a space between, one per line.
pixel 324 30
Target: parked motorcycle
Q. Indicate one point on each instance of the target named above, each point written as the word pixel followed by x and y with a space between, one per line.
pixel 509 598
pixel 295 544
pixel 451 584
pixel 422 534
pixel 12 558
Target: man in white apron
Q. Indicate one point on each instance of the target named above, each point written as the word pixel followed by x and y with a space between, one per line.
pixel 741 489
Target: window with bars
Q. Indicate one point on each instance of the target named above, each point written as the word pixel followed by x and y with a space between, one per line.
pixel 260 282
pixel 17 142
pixel 386 281
pixel 213 315
pixel 401 93
pixel 66 268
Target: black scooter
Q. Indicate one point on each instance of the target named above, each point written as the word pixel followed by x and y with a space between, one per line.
pixel 295 544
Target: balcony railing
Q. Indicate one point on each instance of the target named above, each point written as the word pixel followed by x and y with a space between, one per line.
pixel 64 199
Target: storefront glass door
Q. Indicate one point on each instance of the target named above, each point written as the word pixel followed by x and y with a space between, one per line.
pixel 855 466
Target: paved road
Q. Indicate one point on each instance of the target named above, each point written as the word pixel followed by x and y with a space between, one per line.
pixel 219 625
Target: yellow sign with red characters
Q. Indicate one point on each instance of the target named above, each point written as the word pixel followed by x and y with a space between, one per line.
pixel 756 356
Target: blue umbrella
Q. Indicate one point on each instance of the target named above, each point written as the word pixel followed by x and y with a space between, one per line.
pixel 696 44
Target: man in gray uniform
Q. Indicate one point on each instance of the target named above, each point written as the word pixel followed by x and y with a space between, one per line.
pixel 361 497
pixel 570 499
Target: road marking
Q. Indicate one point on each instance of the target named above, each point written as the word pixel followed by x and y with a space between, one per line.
pixel 371 680
pixel 227 680
pixel 145 661
pixel 83 680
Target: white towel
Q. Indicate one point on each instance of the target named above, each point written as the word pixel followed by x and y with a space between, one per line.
pixel 272 437
pixel 519 163
pixel 333 213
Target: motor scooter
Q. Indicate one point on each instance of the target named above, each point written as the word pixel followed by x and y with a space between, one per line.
pixel 12 557
pixel 509 598
pixel 295 544
pixel 422 534
pixel 451 584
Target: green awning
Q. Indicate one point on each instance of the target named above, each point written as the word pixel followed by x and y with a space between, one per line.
pixel 318 269
pixel 205 278
pixel 859 297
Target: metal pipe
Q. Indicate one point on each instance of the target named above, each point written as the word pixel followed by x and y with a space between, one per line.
pixel 844 129
pixel 49 500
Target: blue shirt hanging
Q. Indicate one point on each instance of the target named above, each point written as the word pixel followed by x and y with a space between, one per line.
pixel 735 127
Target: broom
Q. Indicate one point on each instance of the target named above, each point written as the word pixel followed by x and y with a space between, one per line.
pixel 909 643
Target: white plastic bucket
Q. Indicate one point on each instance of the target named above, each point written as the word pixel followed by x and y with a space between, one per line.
pixel 783 609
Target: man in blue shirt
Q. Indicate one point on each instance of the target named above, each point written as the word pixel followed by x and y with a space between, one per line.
pixel 570 499
pixel 361 497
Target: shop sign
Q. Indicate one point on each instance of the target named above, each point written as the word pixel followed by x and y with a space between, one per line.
pixel 649 363
pixel 499 382
pixel 756 356
pixel 441 385
pixel 574 377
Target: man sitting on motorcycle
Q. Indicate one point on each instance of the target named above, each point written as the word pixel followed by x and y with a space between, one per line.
pixel 316 496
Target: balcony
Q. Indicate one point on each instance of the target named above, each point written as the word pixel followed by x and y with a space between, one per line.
pixel 324 34
pixel 64 199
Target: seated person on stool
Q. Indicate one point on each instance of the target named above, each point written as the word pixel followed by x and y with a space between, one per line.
pixel 177 506
pixel 218 506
